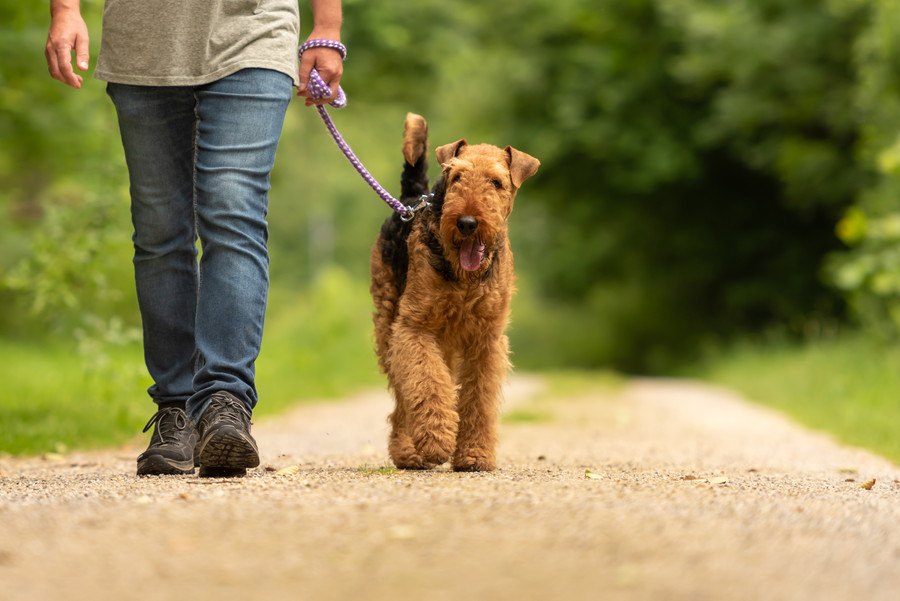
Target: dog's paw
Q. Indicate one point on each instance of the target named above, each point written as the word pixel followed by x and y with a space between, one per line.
pixel 413 462
pixel 435 450
pixel 405 457
pixel 473 462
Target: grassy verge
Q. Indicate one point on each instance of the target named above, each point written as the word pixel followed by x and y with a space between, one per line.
pixel 317 345
pixel 561 385
pixel 53 399
pixel 848 386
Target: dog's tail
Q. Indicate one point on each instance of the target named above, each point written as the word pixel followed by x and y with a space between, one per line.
pixel 414 181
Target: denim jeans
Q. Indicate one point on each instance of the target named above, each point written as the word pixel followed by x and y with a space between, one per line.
pixel 199 159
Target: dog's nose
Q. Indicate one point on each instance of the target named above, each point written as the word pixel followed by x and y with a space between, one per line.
pixel 467 225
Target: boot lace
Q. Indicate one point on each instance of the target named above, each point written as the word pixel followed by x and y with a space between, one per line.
pixel 230 410
pixel 169 422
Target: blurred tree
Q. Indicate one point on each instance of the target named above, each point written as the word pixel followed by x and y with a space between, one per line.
pixel 64 250
pixel 696 155
pixel 870 273
pixel 696 158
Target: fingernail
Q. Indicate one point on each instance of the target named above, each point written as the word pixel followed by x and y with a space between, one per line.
pixel 83 64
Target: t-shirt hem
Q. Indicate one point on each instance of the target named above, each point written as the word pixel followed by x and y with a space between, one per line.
pixel 197 80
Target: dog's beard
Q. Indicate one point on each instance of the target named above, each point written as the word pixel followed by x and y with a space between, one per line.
pixel 471 254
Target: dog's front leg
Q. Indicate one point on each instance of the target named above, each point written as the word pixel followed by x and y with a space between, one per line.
pixel 482 372
pixel 423 384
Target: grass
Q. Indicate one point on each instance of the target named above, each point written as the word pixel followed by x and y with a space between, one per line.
pixel 848 386
pixel 53 401
pixel 527 416
pixel 561 385
pixel 317 345
pixel 570 383
pixel 382 470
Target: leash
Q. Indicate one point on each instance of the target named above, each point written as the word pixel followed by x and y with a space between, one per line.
pixel 318 89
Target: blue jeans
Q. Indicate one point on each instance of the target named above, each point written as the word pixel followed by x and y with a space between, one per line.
pixel 199 159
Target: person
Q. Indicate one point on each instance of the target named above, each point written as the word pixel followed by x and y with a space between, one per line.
pixel 200 90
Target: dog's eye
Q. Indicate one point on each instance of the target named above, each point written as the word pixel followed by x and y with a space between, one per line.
pixel 496 183
pixel 455 179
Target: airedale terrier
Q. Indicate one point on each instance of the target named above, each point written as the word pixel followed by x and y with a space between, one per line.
pixel 441 284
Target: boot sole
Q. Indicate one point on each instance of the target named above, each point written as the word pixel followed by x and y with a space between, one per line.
pixel 157 465
pixel 227 453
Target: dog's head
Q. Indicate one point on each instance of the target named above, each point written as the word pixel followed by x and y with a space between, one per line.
pixel 480 185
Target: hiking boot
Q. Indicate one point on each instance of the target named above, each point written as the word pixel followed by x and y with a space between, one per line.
pixel 226 448
pixel 172 445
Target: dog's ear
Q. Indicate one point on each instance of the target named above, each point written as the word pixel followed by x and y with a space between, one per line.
pixel 448 151
pixel 521 165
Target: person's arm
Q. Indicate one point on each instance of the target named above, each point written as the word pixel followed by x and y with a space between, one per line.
pixel 326 25
pixel 67 32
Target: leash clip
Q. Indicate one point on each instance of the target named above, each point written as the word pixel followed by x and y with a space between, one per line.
pixel 411 210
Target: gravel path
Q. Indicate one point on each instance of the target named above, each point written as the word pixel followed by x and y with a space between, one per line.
pixel 691 494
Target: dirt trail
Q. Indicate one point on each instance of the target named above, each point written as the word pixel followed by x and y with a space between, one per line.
pixel 654 521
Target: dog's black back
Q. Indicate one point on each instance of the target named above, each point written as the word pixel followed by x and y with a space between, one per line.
pixel 395 231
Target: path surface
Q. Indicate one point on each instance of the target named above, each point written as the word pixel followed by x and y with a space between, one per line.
pixel 654 522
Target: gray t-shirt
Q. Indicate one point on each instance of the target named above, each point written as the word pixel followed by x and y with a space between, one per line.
pixel 193 42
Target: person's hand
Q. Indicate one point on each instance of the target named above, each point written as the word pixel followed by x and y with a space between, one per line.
pixel 327 62
pixel 67 32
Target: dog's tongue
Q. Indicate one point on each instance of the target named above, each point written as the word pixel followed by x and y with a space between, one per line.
pixel 471 254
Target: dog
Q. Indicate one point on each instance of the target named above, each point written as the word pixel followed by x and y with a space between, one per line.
pixel 441 285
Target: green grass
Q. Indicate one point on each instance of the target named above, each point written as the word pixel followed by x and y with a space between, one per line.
pixel 382 470
pixel 317 345
pixel 54 400
pixel 527 416
pixel 559 386
pixel 569 383
pixel 848 386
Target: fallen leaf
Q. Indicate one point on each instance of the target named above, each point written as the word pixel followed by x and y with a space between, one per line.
pixel 713 480
pixel 847 470
pixel 52 457
pixel 270 468
pixel 542 457
pixel 591 475
pixel 184 496
pixel 288 471
pixel 868 484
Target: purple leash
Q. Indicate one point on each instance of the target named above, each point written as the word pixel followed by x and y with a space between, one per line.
pixel 318 89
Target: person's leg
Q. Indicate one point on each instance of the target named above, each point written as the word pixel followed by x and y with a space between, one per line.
pixel 239 122
pixel 157 129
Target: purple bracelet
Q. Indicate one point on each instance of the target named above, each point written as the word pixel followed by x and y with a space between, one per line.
pixel 316 86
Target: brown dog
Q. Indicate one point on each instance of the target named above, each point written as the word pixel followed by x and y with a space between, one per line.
pixel 441 284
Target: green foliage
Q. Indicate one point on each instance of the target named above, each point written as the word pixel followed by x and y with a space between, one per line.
pixel 317 345
pixel 72 273
pixel 846 385
pixel 696 158
pixel 53 402
pixel 870 273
